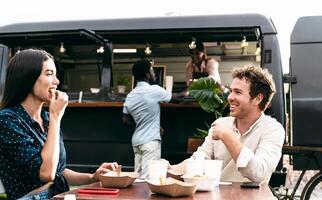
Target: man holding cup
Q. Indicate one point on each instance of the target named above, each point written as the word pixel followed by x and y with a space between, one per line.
pixel 248 142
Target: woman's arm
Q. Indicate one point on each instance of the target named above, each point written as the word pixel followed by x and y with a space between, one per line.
pixel 76 178
pixel 189 71
pixel 50 151
pixel 213 70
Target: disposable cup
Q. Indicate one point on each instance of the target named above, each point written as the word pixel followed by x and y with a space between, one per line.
pixel 194 167
pixel 70 197
pixel 212 169
pixel 157 169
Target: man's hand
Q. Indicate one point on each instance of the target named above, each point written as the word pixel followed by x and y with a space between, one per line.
pixel 228 137
pixel 218 130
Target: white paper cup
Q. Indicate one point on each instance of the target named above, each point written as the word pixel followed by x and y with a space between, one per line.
pixel 70 197
pixel 157 169
pixel 212 169
pixel 194 167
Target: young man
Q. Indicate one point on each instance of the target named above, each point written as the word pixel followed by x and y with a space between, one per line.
pixel 142 110
pixel 249 142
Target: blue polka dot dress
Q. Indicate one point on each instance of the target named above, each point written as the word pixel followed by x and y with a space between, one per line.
pixel 21 142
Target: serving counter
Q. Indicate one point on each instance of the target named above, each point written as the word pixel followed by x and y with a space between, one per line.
pixel 94 132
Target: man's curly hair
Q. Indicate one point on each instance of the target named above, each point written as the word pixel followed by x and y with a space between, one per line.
pixel 261 82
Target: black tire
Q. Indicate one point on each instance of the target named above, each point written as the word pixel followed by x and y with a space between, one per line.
pixel 311 185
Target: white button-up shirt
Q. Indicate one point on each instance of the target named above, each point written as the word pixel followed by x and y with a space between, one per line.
pixel 261 152
pixel 143 104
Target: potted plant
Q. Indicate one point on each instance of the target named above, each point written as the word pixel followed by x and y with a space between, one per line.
pixel 211 99
pixel 197 139
pixel 122 81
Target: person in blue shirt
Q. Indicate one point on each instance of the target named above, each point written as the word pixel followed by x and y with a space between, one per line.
pixel 32 152
pixel 142 110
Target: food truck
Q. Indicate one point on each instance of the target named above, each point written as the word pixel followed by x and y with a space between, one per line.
pixel 92 55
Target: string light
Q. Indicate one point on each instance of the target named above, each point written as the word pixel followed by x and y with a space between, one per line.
pixel 100 50
pixel 192 44
pixel 62 48
pixel 147 50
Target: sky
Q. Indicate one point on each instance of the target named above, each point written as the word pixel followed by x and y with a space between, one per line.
pixel 284 13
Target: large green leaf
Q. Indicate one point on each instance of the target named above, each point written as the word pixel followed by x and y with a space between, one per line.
pixel 210 98
pixel 208 94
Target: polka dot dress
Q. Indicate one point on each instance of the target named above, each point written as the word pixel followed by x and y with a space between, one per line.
pixel 21 142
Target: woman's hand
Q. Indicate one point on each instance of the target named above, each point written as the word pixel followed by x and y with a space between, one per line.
pixel 58 103
pixel 104 168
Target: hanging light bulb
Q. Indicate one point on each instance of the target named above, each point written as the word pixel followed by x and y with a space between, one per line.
pixel 192 44
pixel 147 50
pixel 62 48
pixel 100 50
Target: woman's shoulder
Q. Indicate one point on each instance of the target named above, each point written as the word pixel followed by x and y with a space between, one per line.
pixel 189 64
pixel 11 114
pixel 7 112
pixel 156 88
pixel 8 118
pixel 211 61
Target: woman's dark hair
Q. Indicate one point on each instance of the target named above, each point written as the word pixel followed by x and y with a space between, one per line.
pixel 23 71
pixel 140 69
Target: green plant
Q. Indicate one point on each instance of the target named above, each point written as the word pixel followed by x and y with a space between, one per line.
pixel 122 80
pixel 202 133
pixel 3 196
pixel 210 97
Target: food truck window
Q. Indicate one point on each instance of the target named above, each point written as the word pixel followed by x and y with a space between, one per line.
pixel 174 56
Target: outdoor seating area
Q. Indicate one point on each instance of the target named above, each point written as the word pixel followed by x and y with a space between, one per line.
pixel 174 107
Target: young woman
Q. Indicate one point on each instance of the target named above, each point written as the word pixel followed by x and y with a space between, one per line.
pixel 200 65
pixel 32 152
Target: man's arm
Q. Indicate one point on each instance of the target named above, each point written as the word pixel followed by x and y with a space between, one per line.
pixel 265 158
pixel 205 151
pixel 257 165
pixel 128 120
pixel 177 97
pixel 221 132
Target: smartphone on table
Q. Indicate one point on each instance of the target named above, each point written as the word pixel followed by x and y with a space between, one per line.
pixel 98 191
pixel 250 185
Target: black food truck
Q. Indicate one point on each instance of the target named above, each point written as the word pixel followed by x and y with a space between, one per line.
pixel 92 55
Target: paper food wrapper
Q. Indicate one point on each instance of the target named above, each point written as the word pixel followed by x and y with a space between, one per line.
pixel 124 180
pixel 173 188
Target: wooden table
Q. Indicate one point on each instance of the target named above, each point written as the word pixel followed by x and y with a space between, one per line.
pixel 141 191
